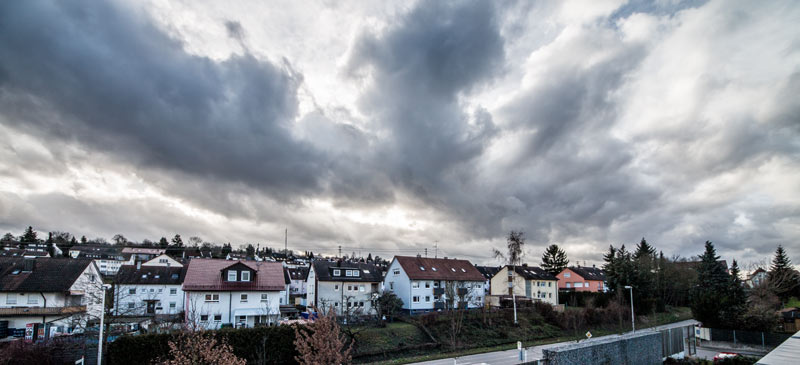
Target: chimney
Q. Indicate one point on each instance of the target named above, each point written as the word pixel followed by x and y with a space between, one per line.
pixel 594 266
pixel 28 264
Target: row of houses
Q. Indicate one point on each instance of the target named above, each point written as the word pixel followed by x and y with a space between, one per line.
pixel 151 286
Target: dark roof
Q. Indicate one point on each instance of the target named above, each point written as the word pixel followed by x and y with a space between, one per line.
pixel 150 275
pixel 368 272
pixel 589 273
pixel 101 252
pixel 533 273
pixel 298 273
pixel 488 271
pixel 286 278
pixel 424 268
pixel 48 274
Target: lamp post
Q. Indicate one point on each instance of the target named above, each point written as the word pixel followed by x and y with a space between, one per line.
pixel 633 321
pixel 102 317
pixel 513 296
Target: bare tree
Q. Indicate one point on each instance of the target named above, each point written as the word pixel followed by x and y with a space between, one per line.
pixel 321 342
pixel 516 242
pixel 458 296
pixel 192 348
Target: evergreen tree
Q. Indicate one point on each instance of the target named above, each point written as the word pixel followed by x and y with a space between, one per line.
pixel 736 300
pixel 73 241
pixel 369 257
pixel 709 296
pixel 554 259
pixel 83 240
pixel 782 278
pixel 163 242
pixel 610 268
pixel 251 251
pixel 226 249
pixel 643 277
pixel 177 241
pixel 29 236
pixel 8 237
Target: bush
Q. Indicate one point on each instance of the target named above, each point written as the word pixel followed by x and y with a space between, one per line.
pixel 262 345
pixel 58 350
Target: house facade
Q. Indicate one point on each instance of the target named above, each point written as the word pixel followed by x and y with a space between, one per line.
pixel 526 281
pixel 59 295
pixel 142 290
pixel 347 287
pixel 240 293
pixel 298 277
pixel 756 278
pixel 582 278
pixel 488 273
pixel 107 258
pixel 427 284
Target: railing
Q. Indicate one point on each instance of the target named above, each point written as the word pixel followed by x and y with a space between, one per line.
pixel 739 337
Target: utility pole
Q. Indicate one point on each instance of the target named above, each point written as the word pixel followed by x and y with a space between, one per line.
pixel 633 320
pixel 436 248
pixel 286 242
pixel 426 252
pixel 340 251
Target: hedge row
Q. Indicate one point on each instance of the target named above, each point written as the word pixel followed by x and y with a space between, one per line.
pixel 262 345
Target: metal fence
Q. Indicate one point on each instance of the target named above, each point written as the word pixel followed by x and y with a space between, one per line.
pixel 737 337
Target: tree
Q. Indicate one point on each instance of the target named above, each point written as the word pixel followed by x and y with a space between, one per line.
pixel 644 276
pixel 83 240
pixel 29 236
pixel 250 251
pixel 554 259
pixel 782 278
pixel 119 239
pixel 195 241
pixel 515 244
pixel 386 304
pixel 177 241
pixel 8 237
pixel 321 342
pixel 191 348
pixel 163 242
pixel 226 249
pixel 736 299
pixel 709 296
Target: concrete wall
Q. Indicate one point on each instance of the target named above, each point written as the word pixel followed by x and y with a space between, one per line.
pixel 641 348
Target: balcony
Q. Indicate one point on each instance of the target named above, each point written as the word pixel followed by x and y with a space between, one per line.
pixel 42 311
pixel 438 291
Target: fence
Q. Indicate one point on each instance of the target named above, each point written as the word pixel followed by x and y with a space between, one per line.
pixel 738 337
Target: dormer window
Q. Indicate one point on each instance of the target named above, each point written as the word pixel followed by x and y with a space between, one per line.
pixel 356 273
pixel 245 276
pixel 231 275
pixel 348 273
pixel 422 268
pixel 337 272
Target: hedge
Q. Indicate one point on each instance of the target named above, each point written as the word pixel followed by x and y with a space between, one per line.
pixel 262 345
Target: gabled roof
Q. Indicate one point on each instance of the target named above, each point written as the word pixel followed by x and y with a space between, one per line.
pixel 488 271
pixel 150 275
pixel 589 273
pixel 367 272
pixel 533 273
pixel 206 274
pixel 298 273
pixel 48 274
pixel 424 268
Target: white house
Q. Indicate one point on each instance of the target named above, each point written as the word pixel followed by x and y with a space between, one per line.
pixel 297 286
pixel 143 253
pixel 240 293
pixel 526 281
pixel 162 260
pixel 426 284
pixel 60 294
pixel 347 287
pixel 108 258
pixel 142 290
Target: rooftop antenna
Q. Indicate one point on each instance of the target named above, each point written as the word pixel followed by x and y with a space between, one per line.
pixel 426 252
pixel 286 242
pixel 436 252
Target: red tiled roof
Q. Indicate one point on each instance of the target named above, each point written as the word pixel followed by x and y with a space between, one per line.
pixel 438 269
pixel 206 274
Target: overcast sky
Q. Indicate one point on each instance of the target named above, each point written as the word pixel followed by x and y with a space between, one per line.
pixel 392 126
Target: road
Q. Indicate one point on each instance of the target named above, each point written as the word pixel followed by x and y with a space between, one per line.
pixel 510 357
pixel 708 353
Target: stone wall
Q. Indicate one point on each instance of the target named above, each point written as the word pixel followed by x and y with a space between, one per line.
pixel 640 348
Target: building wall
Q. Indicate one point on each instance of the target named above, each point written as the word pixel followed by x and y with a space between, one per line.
pixel 405 289
pixel 569 279
pixel 396 281
pixel 162 261
pixel 544 290
pixel 162 293
pixel 311 287
pixel 338 294
pixel 228 304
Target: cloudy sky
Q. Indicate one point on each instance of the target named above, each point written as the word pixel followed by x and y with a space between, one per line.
pixel 394 126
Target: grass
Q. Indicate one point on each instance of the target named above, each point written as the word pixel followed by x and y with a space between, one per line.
pixel 391 337
pixel 793 302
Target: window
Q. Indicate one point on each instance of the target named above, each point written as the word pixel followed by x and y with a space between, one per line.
pixel 454 270
pixel 336 304
pixel 433 268
pixel 427 285
pixel 415 299
pixel 427 299
pixel 569 285
pixel 245 276
pixel 349 304
pixel 217 317
pixel 566 275
pixel 212 297
pixel 143 291
pixel 336 287
pixel 231 275
pixel 348 273
pixel 131 305
pixel 264 298
pixel 152 290
pixel 160 291
pixel 356 273
pixel 132 291
pixel 337 272
pixel 422 268
pixel 361 304
pixel 163 261
pixel 173 291
pixel 435 284
pixel 172 305
pixel 361 288
pixel 415 284
pixel 549 284
pixel 243 298
pixel 462 270
pixel 204 317
pixel 550 295
pixel 349 288
pixel 396 271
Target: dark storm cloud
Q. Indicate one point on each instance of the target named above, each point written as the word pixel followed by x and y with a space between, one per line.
pixel 113 80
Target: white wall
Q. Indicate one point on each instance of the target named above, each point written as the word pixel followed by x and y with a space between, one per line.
pixel 162 293
pixel 311 287
pixel 404 289
pixel 229 302
pixel 398 283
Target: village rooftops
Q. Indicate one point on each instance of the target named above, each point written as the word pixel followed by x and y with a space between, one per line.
pixel 589 273
pixel 347 271
pixel 150 275
pixel 423 268
pixel 19 274
pixel 213 274
pixel 533 273
pixel 297 273
pixel 488 271
pixel 144 250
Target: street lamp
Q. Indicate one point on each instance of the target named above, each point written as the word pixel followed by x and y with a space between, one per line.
pixel 102 316
pixel 633 321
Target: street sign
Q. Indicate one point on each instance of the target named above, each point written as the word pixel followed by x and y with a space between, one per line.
pixel 588 334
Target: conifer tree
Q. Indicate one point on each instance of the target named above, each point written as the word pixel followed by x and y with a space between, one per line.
pixel 782 278
pixel 163 242
pixel 29 236
pixel 708 296
pixel 554 259
pixel 736 299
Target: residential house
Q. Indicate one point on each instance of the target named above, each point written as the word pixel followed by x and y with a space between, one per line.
pixel 426 284
pixel 142 290
pixel 143 253
pixel 525 281
pixel 297 286
pixel 241 293
pixel 488 273
pixel 108 258
pixel 60 294
pixel 756 278
pixel 582 278
pixel 348 287
pixel 163 260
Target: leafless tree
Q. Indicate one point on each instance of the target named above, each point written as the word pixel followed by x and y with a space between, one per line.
pixel 195 348
pixel 459 295
pixel 321 342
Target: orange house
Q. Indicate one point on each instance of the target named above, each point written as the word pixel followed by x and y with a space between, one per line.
pixel 582 278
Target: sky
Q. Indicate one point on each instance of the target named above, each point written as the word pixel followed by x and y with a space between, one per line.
pixel 395 126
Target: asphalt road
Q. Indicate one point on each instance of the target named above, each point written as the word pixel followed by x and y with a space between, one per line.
pixel 510 357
